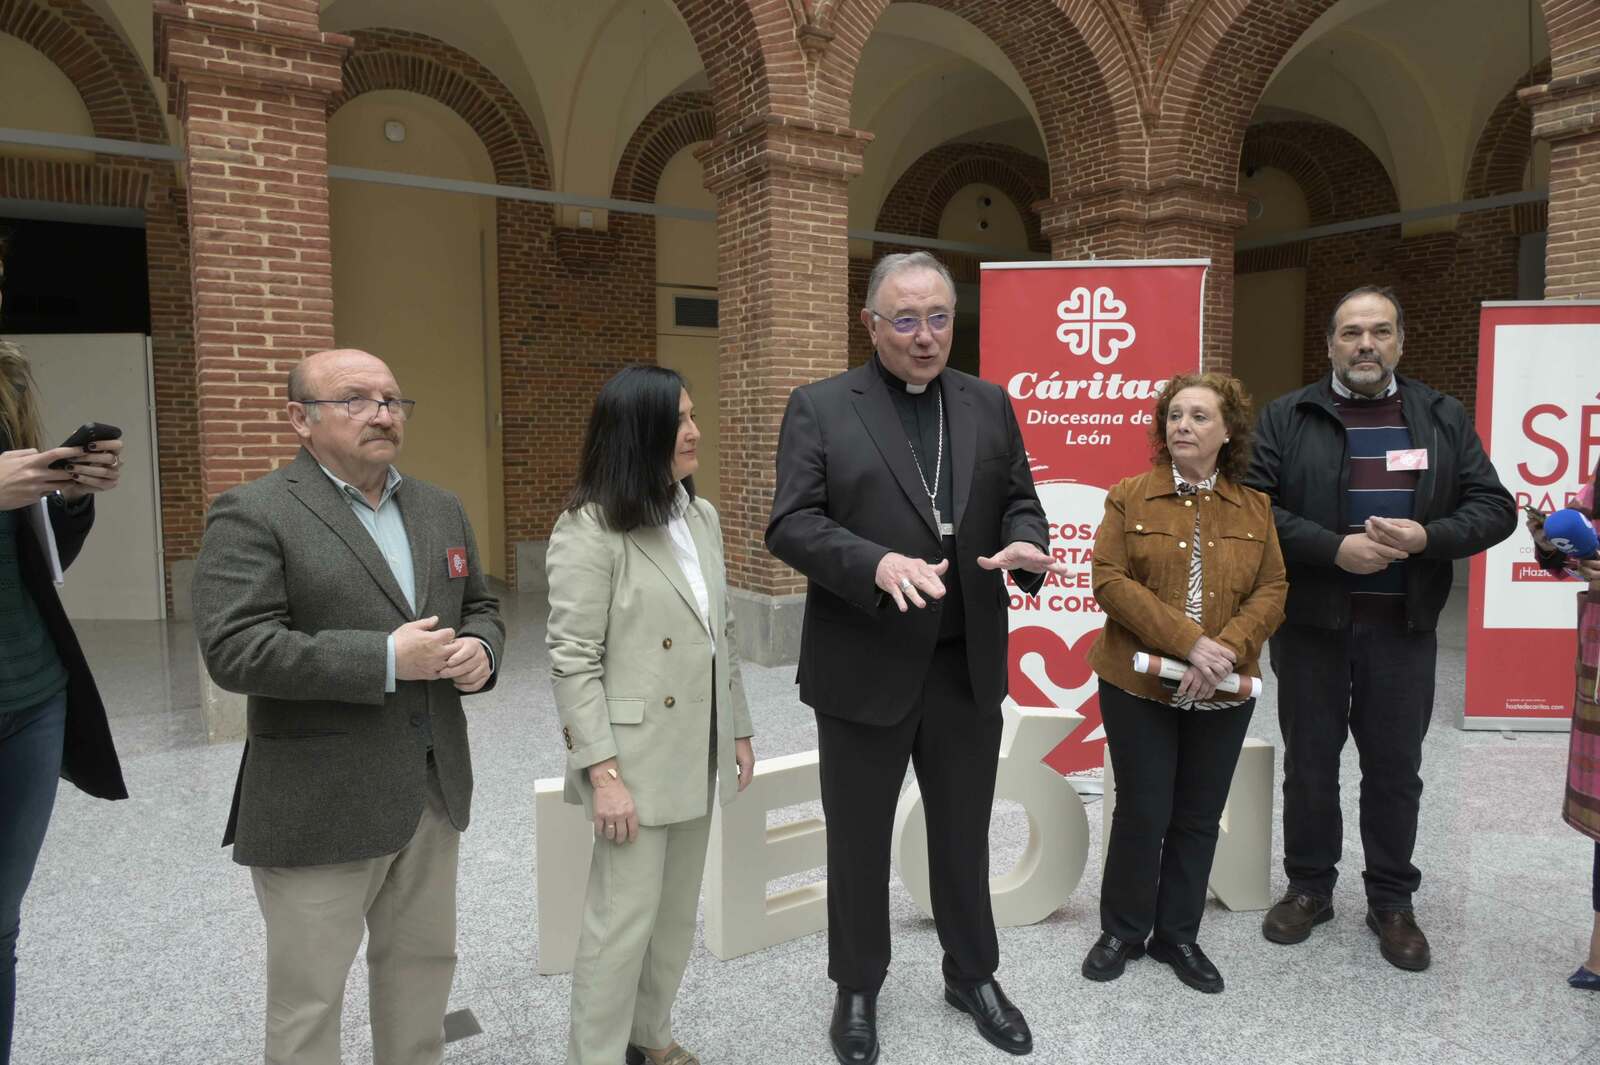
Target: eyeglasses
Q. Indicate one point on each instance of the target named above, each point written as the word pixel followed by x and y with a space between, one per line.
pixel 908 323
pixel 363 409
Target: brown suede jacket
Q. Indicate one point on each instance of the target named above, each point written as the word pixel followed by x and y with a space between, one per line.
pixel 1141 576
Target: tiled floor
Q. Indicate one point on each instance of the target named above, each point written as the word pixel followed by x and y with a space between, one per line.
pixel 141 941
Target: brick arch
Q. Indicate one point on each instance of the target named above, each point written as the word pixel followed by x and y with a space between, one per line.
pixel 385 58
pixel 917 201
pixel 740 43
pixel 84 184
pixel 1077 59
pixel 97 60
pixel 1338 174
pixel 1211 77
pixel 1506 143
pixel 676 122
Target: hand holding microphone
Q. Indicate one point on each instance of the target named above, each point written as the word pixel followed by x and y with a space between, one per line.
pixel 1572 533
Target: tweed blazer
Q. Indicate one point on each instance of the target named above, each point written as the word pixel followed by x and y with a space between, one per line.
pixel 1141 576
pixel 632 666
pixel 293 606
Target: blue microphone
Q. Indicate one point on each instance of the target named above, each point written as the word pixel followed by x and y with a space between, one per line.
pixel 1572 534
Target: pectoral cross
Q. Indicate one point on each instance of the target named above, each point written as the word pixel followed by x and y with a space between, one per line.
pixel 945 527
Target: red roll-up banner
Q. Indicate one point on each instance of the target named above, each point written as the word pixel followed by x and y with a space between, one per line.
pixel 1081 348
pixel 1539 418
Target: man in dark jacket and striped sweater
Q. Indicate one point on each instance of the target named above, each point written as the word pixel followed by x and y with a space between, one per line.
pixel 1379 483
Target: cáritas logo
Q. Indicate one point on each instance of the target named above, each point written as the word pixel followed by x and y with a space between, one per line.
pixel 1094 322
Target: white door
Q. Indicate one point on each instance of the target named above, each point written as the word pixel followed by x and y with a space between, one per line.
pixel 106 378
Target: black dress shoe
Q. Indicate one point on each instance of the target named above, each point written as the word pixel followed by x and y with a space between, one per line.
pixel 1190 963
pixel 854 1031
pixel 998 1020
pixel 1108 956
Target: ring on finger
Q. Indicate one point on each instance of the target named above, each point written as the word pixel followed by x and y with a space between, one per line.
pixel 905 584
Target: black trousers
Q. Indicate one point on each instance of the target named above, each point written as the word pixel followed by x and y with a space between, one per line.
pixel 1375 683
pixel 1173 769
pixel 955 746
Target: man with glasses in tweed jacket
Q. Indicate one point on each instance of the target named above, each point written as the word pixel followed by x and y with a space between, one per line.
pixel 350 606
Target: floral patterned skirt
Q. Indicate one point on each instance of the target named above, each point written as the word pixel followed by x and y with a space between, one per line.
pixel 1582 807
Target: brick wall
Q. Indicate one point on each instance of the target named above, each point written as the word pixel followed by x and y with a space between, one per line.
pixel 583 308
pixel 251 83
pixel 783 267
pixel 1566 113
pixel 183 498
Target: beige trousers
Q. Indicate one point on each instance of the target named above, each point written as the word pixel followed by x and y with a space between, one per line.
pixel 314 917
pixel 638 929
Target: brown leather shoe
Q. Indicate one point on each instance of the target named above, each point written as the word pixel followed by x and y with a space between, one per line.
pixel 1400 941
pixel 1294 916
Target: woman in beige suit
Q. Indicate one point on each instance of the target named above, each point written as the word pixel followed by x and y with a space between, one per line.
pixel 653 712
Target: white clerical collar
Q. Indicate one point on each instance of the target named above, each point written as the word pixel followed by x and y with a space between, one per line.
pixel 890 378
pixel 1340 390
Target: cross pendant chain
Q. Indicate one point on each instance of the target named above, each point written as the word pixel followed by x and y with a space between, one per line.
pixel 945 528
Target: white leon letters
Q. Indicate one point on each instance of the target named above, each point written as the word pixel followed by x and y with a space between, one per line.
pixel 1058 830
pixel 1241 871
pixel 745 855
pixel 563 840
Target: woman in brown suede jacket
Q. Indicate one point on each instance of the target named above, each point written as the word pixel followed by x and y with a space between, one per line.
pixel 1187 566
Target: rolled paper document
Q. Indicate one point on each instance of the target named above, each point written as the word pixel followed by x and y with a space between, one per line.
pixel 1175 668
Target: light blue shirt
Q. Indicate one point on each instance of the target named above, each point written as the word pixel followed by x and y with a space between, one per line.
pixel 388 530
pixel 387 527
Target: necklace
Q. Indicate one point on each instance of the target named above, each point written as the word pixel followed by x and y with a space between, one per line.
pixel 945 528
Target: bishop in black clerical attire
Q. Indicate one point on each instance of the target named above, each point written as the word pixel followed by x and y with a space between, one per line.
pixel 902 494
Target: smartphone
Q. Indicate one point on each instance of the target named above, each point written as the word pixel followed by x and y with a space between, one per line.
pixel 1534 512
pixel 87 433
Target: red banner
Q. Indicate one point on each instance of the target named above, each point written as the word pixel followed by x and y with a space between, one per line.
pixel 1082 349
pixel 1539 417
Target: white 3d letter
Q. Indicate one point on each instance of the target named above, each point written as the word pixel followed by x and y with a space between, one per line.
pixel 745 855
pixel 564 843
pixel 1058 830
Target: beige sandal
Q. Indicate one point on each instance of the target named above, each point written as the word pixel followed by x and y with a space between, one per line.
pixel 675 1055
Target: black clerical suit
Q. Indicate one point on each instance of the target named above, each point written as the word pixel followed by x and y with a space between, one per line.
pixel 857 458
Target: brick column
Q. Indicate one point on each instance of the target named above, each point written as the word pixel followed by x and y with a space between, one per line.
pixel 1566 112
pixel 783 266
pixel 1171 221
pixel 251 83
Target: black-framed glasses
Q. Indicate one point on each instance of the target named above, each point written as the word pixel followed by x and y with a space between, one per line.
pixel 363 409
pixel 938 322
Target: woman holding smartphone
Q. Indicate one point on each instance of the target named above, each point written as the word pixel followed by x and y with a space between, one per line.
pixel 52 723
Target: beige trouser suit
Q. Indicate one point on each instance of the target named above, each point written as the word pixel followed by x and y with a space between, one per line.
pixel 637 677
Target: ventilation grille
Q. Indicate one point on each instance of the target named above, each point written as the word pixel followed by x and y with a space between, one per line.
pixel 694 312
